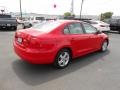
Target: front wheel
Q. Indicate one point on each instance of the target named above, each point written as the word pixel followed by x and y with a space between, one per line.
pixel 62 59
pixel 104 46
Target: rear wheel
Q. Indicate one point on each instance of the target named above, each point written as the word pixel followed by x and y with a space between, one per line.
pixel 104 46
pixel 62 59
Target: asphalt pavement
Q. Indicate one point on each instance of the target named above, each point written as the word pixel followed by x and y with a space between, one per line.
pixel 96 71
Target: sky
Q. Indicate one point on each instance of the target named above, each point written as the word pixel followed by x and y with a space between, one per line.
pixel 90 7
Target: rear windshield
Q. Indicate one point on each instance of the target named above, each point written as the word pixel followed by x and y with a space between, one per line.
pixel 46 26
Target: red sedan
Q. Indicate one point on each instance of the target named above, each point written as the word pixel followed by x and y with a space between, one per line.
pixel 58 42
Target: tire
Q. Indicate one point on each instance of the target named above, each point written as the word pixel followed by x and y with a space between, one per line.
pixel 15 28
pixel 119 32
pixel 12 28
pixel 23 26
pixel 30 25
pixel 62 59
pixel 104 46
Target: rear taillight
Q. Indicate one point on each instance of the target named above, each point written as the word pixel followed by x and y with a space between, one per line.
pixel 24 39
pixel 16 36
pixel 27 40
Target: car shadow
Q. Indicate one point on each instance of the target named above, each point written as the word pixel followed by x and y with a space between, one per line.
pixel 39 74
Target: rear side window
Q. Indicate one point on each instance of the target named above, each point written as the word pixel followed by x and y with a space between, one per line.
pixel 75 28
pixel 89 29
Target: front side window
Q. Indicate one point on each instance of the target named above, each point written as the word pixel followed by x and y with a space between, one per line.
pixel 75 28
pixel 89 29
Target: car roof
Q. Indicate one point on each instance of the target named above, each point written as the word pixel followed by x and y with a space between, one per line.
pixel 67 21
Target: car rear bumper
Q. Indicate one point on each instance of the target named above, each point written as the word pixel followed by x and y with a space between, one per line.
pixel 33 56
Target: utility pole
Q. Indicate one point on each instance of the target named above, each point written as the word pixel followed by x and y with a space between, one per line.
pixel 20 10
pixel 81 8
pixel 72 7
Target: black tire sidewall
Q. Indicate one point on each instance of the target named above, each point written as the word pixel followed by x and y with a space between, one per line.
pixel 119 32
pixel 102 46
pixel 15 27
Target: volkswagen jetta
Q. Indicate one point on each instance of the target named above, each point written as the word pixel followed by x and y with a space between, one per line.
pixel 58 42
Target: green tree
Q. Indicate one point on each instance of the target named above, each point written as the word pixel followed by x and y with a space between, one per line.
pixel 106 15
pixel 67 14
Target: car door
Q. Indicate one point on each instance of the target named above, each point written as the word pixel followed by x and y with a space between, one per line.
pixel 78 38
pixel 94 37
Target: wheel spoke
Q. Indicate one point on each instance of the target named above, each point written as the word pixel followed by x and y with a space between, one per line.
pixel 65 55
pixel 62 56
pixel 60 62
pixel 67 58
pixel 64 63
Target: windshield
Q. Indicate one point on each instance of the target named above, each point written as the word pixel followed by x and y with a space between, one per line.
pixel 47 26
